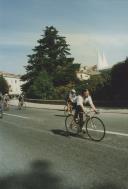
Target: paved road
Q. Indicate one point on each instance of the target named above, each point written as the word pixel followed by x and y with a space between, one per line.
pixel 36 154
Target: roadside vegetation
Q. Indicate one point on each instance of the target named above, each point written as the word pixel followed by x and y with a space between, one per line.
pixel 51 72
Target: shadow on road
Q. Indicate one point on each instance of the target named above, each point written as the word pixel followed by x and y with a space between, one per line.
pixel 38 177
pixel 108 186
pixel 66 134
pixel 60 132
pixel 60 115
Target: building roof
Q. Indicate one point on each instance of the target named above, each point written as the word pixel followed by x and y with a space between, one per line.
pixel 89 70
pixel 6 74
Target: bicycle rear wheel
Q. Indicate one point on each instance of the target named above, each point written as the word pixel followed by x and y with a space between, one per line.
pixel 95 128
pixel 71 125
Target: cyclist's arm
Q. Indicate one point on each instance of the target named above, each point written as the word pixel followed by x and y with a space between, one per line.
pixel 89 100
pixel 80 103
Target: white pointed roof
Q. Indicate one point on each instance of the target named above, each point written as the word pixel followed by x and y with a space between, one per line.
pixel 102 62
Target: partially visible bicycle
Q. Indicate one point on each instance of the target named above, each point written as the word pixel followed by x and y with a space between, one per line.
pixel 6 106
pixel 21 105
pixel 92 125
pixel 1 111
pixel 66 111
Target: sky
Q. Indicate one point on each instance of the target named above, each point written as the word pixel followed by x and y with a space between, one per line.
pixel 88 25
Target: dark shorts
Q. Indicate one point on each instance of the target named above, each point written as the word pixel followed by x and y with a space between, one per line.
pixel 79 114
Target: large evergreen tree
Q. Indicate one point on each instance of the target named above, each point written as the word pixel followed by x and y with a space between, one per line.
pixel 52 56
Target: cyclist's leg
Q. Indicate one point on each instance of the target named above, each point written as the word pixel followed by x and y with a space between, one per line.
pixel 19 105
pixel 81 122
pixel 1 109
pixel 67 106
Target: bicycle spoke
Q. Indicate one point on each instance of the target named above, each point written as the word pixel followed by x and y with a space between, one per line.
pixel 95 129
pixel 71 125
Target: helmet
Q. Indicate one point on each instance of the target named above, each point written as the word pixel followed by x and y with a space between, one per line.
pixel 73 91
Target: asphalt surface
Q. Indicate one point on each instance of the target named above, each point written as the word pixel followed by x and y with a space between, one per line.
pixel 35 152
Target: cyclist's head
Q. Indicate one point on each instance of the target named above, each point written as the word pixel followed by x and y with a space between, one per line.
pixel 85 93
pixel 73 91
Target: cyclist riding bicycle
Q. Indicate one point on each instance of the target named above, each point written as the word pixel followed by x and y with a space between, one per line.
pixel 1 103
pixel 21 100
pixel 81 100
pixel 71 101
pixel 6 100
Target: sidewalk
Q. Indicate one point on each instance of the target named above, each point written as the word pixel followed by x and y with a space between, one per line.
pixel 61 107
pixel 40 106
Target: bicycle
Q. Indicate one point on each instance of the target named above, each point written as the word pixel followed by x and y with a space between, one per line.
pixel 1 111
pixel 66 110
pixel 6 106
pixel 21 105
pixel 93 126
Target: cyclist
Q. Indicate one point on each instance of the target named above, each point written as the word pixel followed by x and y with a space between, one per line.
pixel 21 100
pixel 81 100
pixel 6 100
pixel 71 101
pixel 1 104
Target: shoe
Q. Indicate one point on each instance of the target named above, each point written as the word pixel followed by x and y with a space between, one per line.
pixel 76 121
pixel 84 130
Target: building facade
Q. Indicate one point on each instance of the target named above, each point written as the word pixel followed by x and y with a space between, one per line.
pixel 14 82
pixel 85 72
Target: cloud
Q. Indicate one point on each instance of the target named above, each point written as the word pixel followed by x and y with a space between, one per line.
pixel 83 46
pixel 80 39
pixel 19 39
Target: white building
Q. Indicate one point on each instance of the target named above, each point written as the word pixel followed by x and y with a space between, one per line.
pixel 14 83
pixel 85 72
pixel 82 74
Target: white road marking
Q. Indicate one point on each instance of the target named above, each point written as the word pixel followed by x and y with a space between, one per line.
pixel 107 132
pixel 117 133
pixel 110 132
pixel 23 117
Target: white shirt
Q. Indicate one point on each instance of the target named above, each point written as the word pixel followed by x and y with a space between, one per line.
pixel 88 100
pixel 73 97
pixel 81 101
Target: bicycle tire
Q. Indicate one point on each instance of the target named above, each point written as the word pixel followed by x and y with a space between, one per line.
pixel 95 131
pixel 71 125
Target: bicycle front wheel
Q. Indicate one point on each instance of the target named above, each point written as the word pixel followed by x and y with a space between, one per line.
pixel 71 125
pixel 95 128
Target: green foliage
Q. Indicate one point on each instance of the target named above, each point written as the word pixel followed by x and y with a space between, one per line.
pixel 61 92
pixel 42 87
pixel 119 77
pixel 99 85
pixel 4 88
pixel 52 55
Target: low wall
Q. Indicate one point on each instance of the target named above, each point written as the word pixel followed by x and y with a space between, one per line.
pixel 40 101
pixel 122 104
